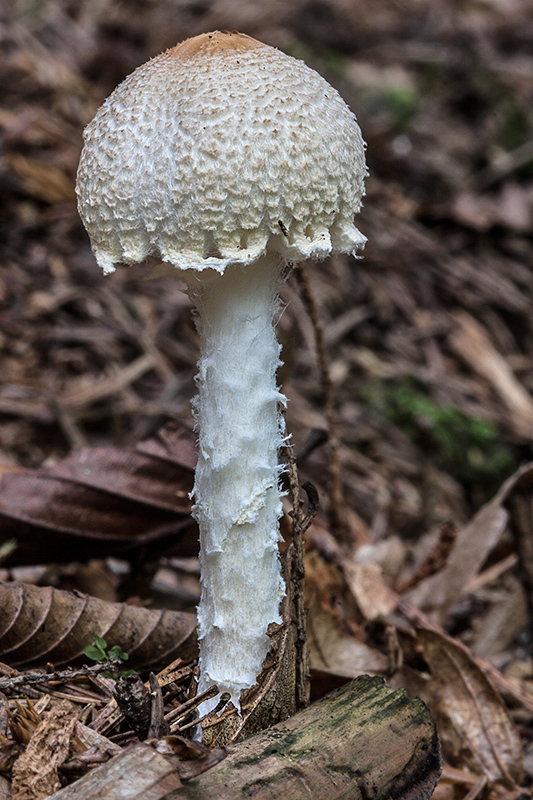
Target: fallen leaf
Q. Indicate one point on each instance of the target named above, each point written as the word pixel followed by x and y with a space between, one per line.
pixel 438 594
pixel 519 504
pixel 103 501
pixel 475 727
pixel 501 623
pixel 472 343
pixel 87 738
pixel 337 653
pixel 190 758
pixel 374 598
pixel 40 624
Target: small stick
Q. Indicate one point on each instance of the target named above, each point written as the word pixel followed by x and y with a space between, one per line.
pixel 434 561
pixel 159 727
pixel 59 676
pixel 224 699
pixel 188 705
pixel 336 492
pixel 297 555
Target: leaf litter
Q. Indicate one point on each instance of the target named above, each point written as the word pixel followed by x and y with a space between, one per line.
pixel 430 370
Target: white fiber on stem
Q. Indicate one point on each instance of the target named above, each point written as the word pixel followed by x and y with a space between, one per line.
pixel 237 493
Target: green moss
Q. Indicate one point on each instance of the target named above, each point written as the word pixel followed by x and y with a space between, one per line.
pixel 396 103
pixel 469 448
pixel 402 102
pixel 335 63
pixel 515 128
pixel 281 744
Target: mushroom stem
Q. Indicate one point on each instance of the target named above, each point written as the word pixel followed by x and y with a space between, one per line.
pixel 237 488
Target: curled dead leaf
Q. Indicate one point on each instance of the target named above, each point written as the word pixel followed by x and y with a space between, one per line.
pixel 103 501
pixel 190 758
pixel 475 724
pixel 40 624
pixel 472 343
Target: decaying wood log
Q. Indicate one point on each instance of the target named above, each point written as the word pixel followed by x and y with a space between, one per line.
pixel 137 773
pixel 363 742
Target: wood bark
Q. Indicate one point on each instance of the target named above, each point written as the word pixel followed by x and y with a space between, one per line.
pixel 363 742
pixel 137 773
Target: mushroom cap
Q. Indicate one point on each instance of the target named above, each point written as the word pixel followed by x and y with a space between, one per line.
pixel 216 151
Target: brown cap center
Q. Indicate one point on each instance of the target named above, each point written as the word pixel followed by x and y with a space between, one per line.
pixel 208 44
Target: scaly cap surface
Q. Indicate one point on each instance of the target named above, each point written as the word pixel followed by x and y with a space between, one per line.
pixel 215 151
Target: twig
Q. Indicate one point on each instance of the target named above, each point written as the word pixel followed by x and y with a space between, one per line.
pixel 59 676
pixel 159 727
pixel 299 526
pixel 434 561
pixel 189 705
pixel 336 493
pixel 224 700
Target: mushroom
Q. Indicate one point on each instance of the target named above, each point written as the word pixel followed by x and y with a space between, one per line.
pixel 230 161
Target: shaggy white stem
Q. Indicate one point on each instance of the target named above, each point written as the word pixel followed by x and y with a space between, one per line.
pixel 237 493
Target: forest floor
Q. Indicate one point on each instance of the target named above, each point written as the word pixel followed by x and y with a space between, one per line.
pixel 428 344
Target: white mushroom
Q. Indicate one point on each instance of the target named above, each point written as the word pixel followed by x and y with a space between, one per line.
pixel 230 161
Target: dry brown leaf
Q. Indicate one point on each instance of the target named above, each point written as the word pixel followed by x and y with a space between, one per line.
pixel 520 506
pixel 472 343
pixel 103 501
pixel 87 738
pixel 39 624
pixel 498 628
pixel 437 595
pixel 35 772
pixel 335 652
pixel 189 758
pixel 475 727
pixel 374 598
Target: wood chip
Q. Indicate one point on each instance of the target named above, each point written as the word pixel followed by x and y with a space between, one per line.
pixel 35 772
